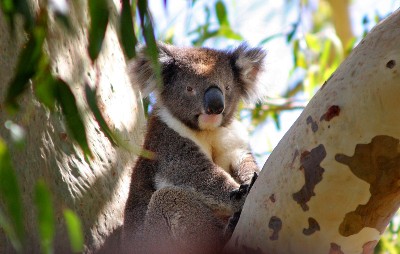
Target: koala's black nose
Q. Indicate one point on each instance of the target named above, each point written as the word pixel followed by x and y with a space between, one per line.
pixel 214 101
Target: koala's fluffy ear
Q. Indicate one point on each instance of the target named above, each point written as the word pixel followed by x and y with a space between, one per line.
pixel 141 71
pixel 247 64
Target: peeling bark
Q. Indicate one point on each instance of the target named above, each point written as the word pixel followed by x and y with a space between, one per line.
pixel 350 192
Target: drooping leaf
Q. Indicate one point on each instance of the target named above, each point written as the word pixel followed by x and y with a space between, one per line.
pixel 270 38
pixel 127 33
pixel 28 62
pixel 92 102
pixel 45 217
pixel 291 34
pixel 46 91
pixel 114 138
pixel 99 14
pixel 146 25
pixel 11 197
pixel 44 84
pixel 313 42
pixel 74 229
pixel 325 55
pixel 221 12
pixel 11 8
pixel 275 117
pixel 227 32
pixel 74 121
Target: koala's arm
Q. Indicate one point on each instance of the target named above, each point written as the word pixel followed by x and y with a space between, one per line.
pixel 245 169
pixel 182 164
pixel 205 178
pixel 235 151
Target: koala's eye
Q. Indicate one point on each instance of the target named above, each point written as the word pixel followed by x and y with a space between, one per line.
pixel 227 88
pixel 189 89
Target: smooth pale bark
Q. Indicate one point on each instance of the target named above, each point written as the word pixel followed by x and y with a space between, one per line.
pixel 332 183
pixel 97 191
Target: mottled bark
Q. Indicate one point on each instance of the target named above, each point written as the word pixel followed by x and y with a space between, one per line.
pixel 332 183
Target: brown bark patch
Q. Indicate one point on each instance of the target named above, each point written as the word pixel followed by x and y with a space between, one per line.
pixel 276 225
pixel 368 247
pixel 310 164
pixel 391 64
pixel 332 111
pixel 272 198
pixel 335 249
pixel 377 163
pixel 314 125
pixel 313 226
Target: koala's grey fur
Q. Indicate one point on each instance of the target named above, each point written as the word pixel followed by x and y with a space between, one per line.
pixel 181 200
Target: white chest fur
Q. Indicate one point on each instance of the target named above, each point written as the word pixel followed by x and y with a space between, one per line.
pixel 225 146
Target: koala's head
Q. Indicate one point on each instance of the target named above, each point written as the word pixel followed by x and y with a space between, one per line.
pixel 201 86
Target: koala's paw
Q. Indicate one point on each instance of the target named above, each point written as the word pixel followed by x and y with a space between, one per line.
pixel 244 189
pixel 239 193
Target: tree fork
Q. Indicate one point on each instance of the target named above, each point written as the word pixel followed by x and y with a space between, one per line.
pixel 333 182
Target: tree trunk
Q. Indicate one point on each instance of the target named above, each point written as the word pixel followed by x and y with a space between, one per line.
pixel 332 183
pixel 96 191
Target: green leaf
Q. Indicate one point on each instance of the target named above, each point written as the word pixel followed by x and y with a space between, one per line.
pixel 290 35
pixel 67 101
pixel 270 38
pixel 222 16
pixel 45 216
pixel 148 34
pixel 92 101
pixel 13 7
pixel 227 32
pixel 44 84
pixel 46 91
pixel 127 33
pixel 113 137
pixel 10 196
pixel 98 10
pixel 313 42
pixel 28 62
pixel 275 117
pixel 74 229
pixel 326 54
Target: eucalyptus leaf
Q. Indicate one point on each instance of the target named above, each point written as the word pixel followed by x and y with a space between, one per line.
pixel 92 102
pixel 45 217
pixel 74 229
pixel 99 14
pixel 148 34
pixel 74 121
pixel 221 12
pixel 11 8
pixel 11 197
pixel 127 34
pixel 28 63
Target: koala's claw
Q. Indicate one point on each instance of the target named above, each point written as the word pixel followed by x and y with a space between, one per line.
pixel 244 189
pixel 253 179
pixel 239 193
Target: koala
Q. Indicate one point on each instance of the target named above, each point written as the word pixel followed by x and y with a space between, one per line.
pixel 182 200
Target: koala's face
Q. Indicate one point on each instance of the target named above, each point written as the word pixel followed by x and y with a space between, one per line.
pixel 202 87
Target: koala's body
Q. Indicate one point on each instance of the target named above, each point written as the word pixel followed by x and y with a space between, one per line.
pixel 181 200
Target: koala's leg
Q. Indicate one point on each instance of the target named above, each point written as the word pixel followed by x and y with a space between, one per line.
pixel 179 221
